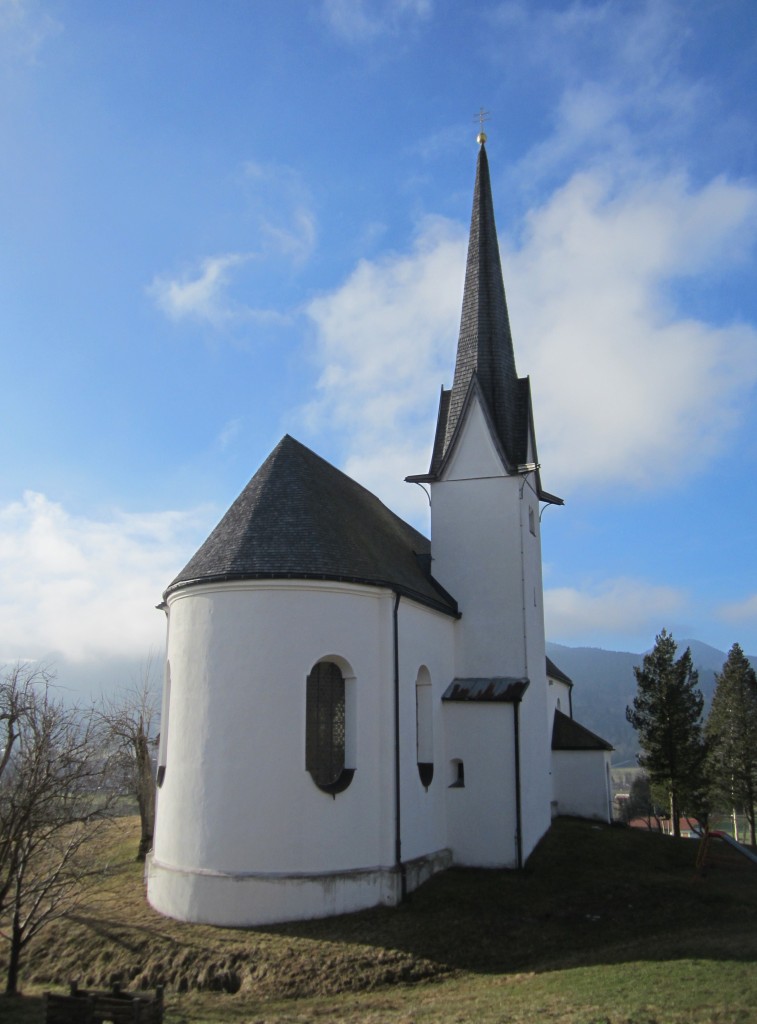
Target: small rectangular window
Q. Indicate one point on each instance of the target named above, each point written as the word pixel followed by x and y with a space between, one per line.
pixel 532 521
pixel 458 775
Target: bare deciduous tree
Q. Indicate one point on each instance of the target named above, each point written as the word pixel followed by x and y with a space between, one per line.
pixel 53 767
pixel 132 718
pixel 18 685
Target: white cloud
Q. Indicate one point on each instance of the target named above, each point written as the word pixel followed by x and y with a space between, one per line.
pixel 620 607
pixel 296 239
pixel 627 389
pixel 204 295
pixel 229 433
pixel 740 611
pixel 24 31
pixel 200 296
pixel 600 38
pixel 359 21
pixel 625 385
pixel 384 344
pixel 278 203
pixel 85 588
pixel 615 80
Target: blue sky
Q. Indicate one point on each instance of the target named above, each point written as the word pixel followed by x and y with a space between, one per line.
pixel 223 222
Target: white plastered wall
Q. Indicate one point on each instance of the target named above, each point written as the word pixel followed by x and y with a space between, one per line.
pixel 485 554
pixel 581 783
pixel 425 641
pixel 481 815
pixel 243 835
pixel 558 699
pixel 236 802
pixel 476 551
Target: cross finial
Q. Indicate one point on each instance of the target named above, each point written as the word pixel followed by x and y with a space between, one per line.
pixel 481 116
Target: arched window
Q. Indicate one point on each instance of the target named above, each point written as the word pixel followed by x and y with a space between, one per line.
pixel 326 728
pixel 424 729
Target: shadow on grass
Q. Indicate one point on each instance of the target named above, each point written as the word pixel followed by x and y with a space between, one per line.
pixel 590 895
pixel 22 1009
pixel 123 933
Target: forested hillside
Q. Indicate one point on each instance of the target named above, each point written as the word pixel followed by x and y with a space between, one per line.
pixel 604 684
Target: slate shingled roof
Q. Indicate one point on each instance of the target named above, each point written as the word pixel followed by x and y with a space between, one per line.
pixel 567 734
pixel 557 673
pixel 495 689
pixel 485 345
pixel 301 518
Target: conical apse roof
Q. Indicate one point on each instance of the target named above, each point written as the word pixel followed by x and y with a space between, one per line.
pixel 301 518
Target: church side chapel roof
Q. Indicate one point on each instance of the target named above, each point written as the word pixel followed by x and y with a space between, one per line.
pixel 501 689
pixel 553 672
pixel 568 734
pixel 301 518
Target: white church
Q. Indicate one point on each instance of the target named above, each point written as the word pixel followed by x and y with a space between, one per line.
pixel 350 707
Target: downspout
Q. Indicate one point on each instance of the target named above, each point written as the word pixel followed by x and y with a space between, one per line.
pixel 521 489
pixel 516 745
pixel 516 705
pixel 397 803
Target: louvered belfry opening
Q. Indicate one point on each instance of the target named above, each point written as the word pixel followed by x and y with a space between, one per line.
pixel 325 725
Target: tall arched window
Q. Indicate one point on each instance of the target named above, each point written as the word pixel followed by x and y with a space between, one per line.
pixel 424 730
pixel 326 727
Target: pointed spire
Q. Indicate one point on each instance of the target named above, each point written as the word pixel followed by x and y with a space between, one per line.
pixel 485 364
pixel 485 346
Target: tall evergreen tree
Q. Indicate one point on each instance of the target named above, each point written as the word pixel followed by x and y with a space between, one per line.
pixel 667 715
pixel 731 733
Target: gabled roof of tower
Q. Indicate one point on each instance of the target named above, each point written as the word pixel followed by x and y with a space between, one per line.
pixel 301 518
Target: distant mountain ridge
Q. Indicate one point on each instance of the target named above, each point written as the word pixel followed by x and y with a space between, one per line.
pixel 604 685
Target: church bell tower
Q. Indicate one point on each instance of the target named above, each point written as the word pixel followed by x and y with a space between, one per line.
pixel 486 494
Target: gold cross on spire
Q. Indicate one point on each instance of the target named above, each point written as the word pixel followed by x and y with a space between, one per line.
pixel 481 116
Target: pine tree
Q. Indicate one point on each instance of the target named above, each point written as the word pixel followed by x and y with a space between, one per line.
pixel 731 733
pixel 667 715
pixel 641 803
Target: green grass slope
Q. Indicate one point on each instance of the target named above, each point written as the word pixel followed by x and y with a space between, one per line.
pixel 606 925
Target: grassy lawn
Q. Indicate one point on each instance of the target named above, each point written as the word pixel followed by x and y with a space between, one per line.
pixel 606 926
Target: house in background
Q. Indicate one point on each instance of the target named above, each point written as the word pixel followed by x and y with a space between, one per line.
pixel 350 707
